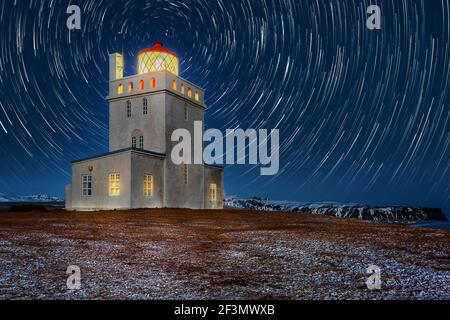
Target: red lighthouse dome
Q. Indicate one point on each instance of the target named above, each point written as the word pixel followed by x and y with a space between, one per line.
pixel 157 59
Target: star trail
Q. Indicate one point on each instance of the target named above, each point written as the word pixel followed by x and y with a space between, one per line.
pixel 364 115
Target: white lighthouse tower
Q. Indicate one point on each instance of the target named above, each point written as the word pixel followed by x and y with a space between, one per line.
pixel 144 110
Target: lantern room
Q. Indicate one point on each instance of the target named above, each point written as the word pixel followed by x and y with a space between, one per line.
pixel 156 59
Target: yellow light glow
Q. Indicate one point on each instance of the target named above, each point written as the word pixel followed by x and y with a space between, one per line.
pixel 213 192
pixel 114 185
pixel 119 66
pixel 154 61
pixel 148 185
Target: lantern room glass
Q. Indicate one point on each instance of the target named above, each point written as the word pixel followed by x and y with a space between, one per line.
pixel 153 61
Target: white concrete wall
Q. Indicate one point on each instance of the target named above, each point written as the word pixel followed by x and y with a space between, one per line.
pixel 152 124
pixel 101 168
pixel 166 107
pixel 177 193
pixel 140 166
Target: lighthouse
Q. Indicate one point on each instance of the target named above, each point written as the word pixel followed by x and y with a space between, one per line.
pixel 137 172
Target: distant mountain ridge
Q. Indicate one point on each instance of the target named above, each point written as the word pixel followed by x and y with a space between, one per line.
pixel 30 198
pixel 389 214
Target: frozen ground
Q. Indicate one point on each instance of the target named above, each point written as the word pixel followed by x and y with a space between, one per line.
pixel 181 254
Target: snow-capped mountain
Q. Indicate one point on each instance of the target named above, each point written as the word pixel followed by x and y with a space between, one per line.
pixel 392 214
pixel 30 198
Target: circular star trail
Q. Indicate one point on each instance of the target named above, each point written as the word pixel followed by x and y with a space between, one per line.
pixel 363 114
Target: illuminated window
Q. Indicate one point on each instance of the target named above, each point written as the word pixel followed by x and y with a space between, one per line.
pixel 148 185
pixel 133 142
pixel 141 142
pixel 197 96
pixel 86 188
pixel 186 112
pixel 145 106
pixel 186 174
pixel 213 192
pixel 114 185
pixel 189 92
pixel 153 83
pixel 142 85
pixel 120 88
pixel 128 109
pixel 182 88
pixel 174 84
pixel 130 87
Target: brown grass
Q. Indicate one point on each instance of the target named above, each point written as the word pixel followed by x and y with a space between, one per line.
pixel 226 254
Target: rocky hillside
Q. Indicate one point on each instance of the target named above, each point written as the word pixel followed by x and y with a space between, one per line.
pixel 391 214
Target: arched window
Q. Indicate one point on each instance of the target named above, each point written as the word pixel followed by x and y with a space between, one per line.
pixel 189 92
pixel 174 85
pixel 182 88
pixel 197 96
pixel 153 83
pixel 120 88
pixel 133 143
pixel 141 142
pixel 130 87
pixel 142 85
pixel 145 106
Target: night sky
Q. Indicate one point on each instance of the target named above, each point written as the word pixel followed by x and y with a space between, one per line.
pixel 364 116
